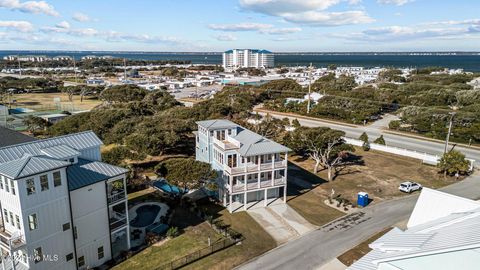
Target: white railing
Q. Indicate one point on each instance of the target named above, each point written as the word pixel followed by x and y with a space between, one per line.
pixel 426 158
pixel 117 197
pixel 251 167
pixel 255 185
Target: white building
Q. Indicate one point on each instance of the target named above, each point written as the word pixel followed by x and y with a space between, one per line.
pixel 251 167
pixel 245 58
pixel 443 234
pixel 61 207
pixel 26 58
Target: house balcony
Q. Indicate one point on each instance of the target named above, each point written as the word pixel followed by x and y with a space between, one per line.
pixel 10 241
pixel 257 185
pixel 117 220
pixel 116 196
pixel 251 167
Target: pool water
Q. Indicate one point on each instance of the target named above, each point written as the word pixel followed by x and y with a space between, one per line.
pixel 146 215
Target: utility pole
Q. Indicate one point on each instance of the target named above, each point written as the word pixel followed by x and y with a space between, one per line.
pixel 19 66
pixel 125 69
pixel 309 87
pixel 452 114
pixel 74 69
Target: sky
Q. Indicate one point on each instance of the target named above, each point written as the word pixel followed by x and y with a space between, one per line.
pixel 218 25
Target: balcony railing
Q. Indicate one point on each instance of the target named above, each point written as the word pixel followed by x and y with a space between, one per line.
pixel 250 167
pixel 8 240
pixel 117 196
pixel 263 184
pixel 117 220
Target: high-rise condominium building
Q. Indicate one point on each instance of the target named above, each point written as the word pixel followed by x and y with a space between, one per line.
pixel 245 58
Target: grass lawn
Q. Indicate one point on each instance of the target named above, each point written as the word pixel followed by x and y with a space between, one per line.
pixel 134 195
pixel 46 99
pixel 377 173
pixel 257 241
pixel 308 201
pixel 354 254
pixel 192 239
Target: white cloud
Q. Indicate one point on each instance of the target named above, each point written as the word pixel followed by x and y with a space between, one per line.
pixel 280 31
pixel 63 25
pixel 278 7
pixel 315 18
pixel 22 26
pixel 404 33
pixel 36 7
pixel 81 17
pixel 238 27
pixel 226 37
pixel 308 12
pixel 394 2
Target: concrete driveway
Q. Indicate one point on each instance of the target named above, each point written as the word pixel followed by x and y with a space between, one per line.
pixel 281 222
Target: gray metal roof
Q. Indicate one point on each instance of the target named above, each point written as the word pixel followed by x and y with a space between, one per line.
pixel 30 165
pixel 217 123
pixel 87 172
pixel 60 151
pixel 11 137
pixel 78 141
pixel 253 144
pixel 447 235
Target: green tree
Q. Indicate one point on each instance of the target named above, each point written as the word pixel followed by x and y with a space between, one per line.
pixel 187 173
pixel 363 137
pixel 453 162
pixel 34 123
pixel 123 94
pixel 380 140
pixel 324 145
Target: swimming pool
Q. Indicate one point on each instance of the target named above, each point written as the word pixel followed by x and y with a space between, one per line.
pixel 146 215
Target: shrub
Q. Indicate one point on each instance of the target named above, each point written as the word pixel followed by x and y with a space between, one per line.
pixel 380 140
pixel 172 232
pixel 395 124
pixel 366 146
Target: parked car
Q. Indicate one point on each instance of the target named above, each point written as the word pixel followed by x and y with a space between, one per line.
pixel 409 187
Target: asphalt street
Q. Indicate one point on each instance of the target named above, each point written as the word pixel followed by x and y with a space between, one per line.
pixel 376 129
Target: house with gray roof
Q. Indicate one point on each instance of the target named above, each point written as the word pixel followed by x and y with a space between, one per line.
pixel 9 137
pixel 251 168
pixel 61 206
pixel 443 233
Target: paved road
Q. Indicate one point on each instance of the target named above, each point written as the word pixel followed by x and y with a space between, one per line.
pixel 374 131
pixel 319 247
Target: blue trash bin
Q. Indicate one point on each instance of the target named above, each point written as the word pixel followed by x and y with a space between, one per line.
pixel 362 199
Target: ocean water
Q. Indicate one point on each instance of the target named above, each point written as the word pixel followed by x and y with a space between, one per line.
pixel 467 61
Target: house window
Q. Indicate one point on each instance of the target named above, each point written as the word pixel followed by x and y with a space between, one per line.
pixel 57 179
pixel 37 255
pixel 32 222
pixel 12 184
pixel 69 256
pixel 30 186
pixel 81 261
pixel 7 188
pixel 75 232
pixel 66 226
pixel 17 219
pixel 100 252
pixel 1 182
pixel 44 182
pixel 229 132
pixel 5 215
pixel 11 219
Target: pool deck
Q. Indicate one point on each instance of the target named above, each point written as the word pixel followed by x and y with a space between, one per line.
pixel 133 214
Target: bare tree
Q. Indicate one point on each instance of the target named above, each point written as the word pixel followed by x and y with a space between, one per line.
pixel 324 145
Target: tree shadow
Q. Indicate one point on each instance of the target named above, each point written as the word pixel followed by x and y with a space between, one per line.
pixel 301 181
